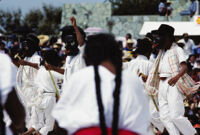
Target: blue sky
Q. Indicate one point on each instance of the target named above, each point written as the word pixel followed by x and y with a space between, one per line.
pixel 26 5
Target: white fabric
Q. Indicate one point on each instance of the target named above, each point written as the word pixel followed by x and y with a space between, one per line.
pixel 77 107
pixel 170 99
pixel 74 63
pixel 43 80
pixel 164 67
pixel 42 120
pixel 144 66
pixel 171 108
pixel 26 87
pixel 7 82
pixel 188 46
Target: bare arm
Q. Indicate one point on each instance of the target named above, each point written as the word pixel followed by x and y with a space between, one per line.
pixel 56 69
pixel 16 111
pixel 78 34
pixel 26 63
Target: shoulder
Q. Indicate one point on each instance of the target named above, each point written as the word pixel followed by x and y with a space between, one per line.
pixel 5 60
pixel 82 74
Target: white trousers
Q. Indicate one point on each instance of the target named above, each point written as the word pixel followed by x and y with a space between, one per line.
pixel 172 110
pixel 155 117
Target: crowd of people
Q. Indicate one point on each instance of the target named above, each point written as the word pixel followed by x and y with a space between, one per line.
pixel 94 85
pixel 165 8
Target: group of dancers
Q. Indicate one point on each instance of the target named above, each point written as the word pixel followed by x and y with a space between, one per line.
pixel 101 94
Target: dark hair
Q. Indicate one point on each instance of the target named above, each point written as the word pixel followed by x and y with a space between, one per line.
pixel 129 35
pixel 144 46
pixel 52 58
pixel 99 48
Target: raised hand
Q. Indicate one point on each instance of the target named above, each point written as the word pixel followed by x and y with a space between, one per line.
pixel 73 21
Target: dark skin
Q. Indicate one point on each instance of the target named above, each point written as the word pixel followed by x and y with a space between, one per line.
pixel 174 80
pixel 16 115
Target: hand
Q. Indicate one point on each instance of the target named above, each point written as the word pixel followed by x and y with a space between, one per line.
pixel 38 133
pixel 73 21
pixel 48 66
pixel 22 62
pixel 173 80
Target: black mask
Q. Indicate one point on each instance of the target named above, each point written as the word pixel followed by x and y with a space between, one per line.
pixel 71 45
pixel 28 48
pixel 161 41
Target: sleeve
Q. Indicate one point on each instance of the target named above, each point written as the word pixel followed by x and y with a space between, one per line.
pixel 194 7
pixel 81 49
pixel 181 55
pixel 7 78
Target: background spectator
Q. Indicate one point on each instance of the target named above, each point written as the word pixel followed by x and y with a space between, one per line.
pixel 191 10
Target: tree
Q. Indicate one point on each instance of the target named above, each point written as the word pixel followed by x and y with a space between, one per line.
pixel 42 21
pixel 135 7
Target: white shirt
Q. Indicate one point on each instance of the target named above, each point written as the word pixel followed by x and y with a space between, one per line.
pixel 43 79
pixel 7 76
pixel 7 82
pixel 74 63
pixel 77 107
pixel 188 46
pixel 164 67
pixel 26 86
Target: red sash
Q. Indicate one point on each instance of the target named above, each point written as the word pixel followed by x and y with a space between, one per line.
pixel 97 131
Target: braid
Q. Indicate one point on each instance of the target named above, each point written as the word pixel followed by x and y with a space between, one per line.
pixel 99 101
pixel 116 96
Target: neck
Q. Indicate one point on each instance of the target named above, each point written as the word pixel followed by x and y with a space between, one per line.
pixel 107 64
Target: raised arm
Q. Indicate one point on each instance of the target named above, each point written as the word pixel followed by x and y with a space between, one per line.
pixel 78 34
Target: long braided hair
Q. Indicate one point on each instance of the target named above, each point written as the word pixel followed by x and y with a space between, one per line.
pixel 99 48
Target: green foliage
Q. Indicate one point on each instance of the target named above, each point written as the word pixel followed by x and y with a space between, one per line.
pixel 135 7
pixel 45 21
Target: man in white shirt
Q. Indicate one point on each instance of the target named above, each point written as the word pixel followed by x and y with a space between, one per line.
pixel 142 66
pixel 26 74
pixel 171 67
pixel 42 122
pixel 188 44
pixel 8 98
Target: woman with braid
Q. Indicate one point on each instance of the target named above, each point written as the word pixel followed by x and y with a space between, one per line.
pixel 101 99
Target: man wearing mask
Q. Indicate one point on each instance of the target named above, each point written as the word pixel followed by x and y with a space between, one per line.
pixel 27 72
pixel 168 79
pixel 73 38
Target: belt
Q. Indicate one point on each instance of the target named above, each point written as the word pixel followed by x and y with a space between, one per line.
pixel 163 78
pixel 48 92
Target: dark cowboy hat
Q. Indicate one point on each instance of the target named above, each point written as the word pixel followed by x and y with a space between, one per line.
pixel 166 30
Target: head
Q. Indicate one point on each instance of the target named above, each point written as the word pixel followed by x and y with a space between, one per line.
pixel 129 44
pixel 186 37
pixel 128 36
pixel 52 58
pixel 166 36
pixel 144 47
pixel 69 38
pixel 192 0
pixel 100 48
pixel 30 45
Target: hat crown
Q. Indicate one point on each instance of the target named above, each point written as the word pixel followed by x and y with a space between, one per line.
pixel 166 30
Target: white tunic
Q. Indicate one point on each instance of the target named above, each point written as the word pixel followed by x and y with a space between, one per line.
pixel 42 119
pixel 7 82
pixel 74 63
pixel 77 107
pixel 26 87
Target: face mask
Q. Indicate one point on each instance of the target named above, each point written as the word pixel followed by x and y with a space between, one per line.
pixel 161 42
pixel 28 48
pixel 71 45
